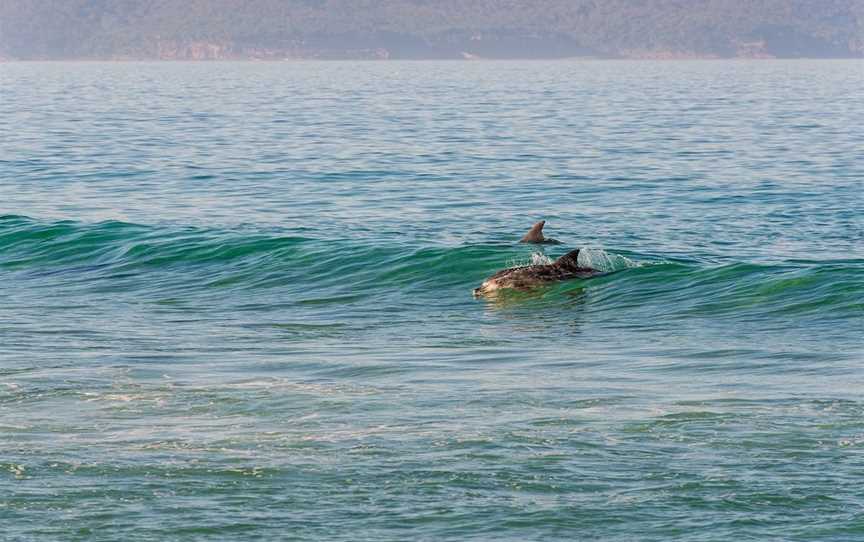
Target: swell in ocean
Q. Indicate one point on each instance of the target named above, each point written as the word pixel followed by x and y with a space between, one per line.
pixel 198 261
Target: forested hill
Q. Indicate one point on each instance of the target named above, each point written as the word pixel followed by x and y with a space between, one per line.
pixel 278 29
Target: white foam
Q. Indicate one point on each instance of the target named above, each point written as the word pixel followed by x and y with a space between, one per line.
pixel 536 258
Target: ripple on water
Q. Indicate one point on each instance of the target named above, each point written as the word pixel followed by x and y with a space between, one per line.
pixel 251 314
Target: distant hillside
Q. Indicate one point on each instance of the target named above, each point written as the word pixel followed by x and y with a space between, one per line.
pixel 276 29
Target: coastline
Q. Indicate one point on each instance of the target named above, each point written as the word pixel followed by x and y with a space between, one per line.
pixel 644 58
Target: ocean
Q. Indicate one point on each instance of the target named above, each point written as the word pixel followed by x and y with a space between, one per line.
pixel 237 301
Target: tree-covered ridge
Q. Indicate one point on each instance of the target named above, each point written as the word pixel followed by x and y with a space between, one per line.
pixel 429 28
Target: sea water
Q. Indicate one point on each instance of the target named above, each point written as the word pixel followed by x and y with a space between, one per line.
pixel 236 301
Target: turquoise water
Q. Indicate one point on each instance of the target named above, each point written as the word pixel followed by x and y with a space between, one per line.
pixel 236 301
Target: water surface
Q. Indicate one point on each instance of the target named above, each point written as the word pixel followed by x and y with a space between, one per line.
pixel 237 301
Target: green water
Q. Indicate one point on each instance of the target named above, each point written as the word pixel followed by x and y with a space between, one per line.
pixel 236 301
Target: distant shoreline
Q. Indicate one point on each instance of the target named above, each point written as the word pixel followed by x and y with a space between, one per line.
pixel 443 59
pixel 343 30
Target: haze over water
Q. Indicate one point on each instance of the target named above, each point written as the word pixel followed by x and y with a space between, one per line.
pixel 237 301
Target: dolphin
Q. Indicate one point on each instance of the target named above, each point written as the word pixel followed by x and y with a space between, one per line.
pixel 531 276
pixel 535 235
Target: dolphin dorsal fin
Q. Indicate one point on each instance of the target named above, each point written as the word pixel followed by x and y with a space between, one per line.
pixel 535 234
pixel 571 258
